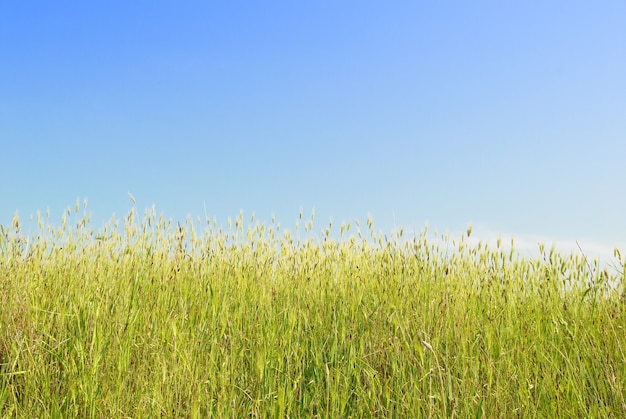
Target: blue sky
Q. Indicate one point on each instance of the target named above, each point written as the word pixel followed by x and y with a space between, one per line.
pixel 510 116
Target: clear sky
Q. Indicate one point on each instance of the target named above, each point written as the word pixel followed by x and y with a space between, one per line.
pixel 509 115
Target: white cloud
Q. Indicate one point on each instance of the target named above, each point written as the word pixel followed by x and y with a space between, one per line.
pixel 528 244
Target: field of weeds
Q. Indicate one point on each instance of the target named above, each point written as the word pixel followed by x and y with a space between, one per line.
pixel 149 318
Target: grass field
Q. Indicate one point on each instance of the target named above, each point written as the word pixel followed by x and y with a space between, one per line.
pixel 149 318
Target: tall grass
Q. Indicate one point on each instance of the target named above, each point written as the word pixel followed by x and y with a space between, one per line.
pixel 150 318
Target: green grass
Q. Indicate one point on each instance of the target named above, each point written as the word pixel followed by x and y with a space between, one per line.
pixel 155 319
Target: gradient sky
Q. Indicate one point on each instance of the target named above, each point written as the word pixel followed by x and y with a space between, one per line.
pixel 510 115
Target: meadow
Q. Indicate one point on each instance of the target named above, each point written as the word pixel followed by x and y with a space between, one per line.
pixel 146 317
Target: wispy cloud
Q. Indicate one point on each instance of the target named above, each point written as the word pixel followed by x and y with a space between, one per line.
pixel 528 244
